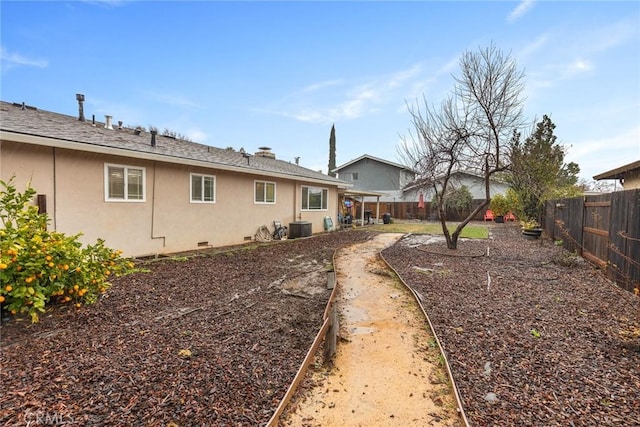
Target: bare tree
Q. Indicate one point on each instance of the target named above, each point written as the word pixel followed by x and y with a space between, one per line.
pixel 470 132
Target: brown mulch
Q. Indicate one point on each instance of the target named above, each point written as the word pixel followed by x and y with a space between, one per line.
pixel 216 339
pixel 213 339
pixel 534 335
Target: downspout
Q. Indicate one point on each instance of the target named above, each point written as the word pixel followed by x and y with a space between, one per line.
pixel 297 202
pixel 378 209
pixel 55 191
pixel 153 209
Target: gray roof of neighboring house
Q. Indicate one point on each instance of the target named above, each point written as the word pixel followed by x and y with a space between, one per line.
pixel 366 156
pixel 30 121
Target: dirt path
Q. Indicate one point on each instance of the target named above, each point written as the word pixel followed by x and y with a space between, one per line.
pixel 386 371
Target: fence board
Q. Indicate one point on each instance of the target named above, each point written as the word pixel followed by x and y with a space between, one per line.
pixel 624 240
pixel 596 226
pixel 604 228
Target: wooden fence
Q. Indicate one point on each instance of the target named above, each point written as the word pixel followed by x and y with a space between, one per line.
pixel 604 229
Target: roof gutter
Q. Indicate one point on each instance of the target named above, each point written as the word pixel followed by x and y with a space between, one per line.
pixel 10 136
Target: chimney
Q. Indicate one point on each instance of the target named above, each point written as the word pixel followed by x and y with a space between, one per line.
pixel 107 122
pixel 153 137
pixel 80 99
pixel 265 152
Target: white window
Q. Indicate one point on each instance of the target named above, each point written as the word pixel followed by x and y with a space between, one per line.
pixel 264 192
pixel 124 183
pixel 203 188
pixel 314 198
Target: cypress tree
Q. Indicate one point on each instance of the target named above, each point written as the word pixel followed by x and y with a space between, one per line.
pixel 332 151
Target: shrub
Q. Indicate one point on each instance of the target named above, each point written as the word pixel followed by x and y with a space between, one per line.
pixel 38 266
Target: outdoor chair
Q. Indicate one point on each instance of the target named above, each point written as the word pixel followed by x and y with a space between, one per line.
pixel 489 216
pixel 509 216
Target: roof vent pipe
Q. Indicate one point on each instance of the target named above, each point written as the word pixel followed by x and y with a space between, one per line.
pixel 107 122
pixel 153 137
pixel 80 99
pixel 120 124
pixel 93 120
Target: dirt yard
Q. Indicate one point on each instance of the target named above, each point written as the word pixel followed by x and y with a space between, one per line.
pixel 386 371
pixel 534 336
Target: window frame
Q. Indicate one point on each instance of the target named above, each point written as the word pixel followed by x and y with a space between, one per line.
pixel 202 195
pixel 354 176
pixel 324 201
pixel 126 169
pixel 266 184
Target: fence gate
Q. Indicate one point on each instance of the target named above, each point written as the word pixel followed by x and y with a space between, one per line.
pixel 595 228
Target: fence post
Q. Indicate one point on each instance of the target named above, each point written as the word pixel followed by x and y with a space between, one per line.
pixel 330 338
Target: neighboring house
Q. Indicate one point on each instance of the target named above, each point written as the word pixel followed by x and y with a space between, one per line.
pixel 372 174
pixel 628 175
pixel 368 173
pixel 474 183
pixel 150 194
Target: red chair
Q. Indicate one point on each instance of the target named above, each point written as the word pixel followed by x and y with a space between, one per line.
pixel 509 216
pixel 489 216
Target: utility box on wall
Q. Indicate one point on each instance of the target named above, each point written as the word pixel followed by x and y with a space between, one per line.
pixel 299 229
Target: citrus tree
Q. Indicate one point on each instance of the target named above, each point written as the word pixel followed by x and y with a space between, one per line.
pixel 39 266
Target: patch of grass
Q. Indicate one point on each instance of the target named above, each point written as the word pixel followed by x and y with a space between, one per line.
pixel 470 231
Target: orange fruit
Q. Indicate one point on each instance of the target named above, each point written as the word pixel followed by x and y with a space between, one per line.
pixel 8 288
pixel 1 298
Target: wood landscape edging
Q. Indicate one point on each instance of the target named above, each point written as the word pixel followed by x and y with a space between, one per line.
pixel 328 319
pixel 326 327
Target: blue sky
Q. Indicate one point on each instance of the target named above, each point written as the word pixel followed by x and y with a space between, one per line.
pixel 279 74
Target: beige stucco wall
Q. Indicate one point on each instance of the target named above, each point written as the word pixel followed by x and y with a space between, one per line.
pixel 632 180
pixel 166 221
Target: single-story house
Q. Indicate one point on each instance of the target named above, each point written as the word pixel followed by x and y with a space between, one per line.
pixel 628 175
pixel 458 179
pixel 147 193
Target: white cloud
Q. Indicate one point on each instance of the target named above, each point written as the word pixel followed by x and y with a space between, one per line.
pixel 320 85
pixel 520 10
pixel 533 47
pixel 17 59
pixel 369 95
pixel 595 156
pixel 576 67
pixel 615 35
pixel 174 100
